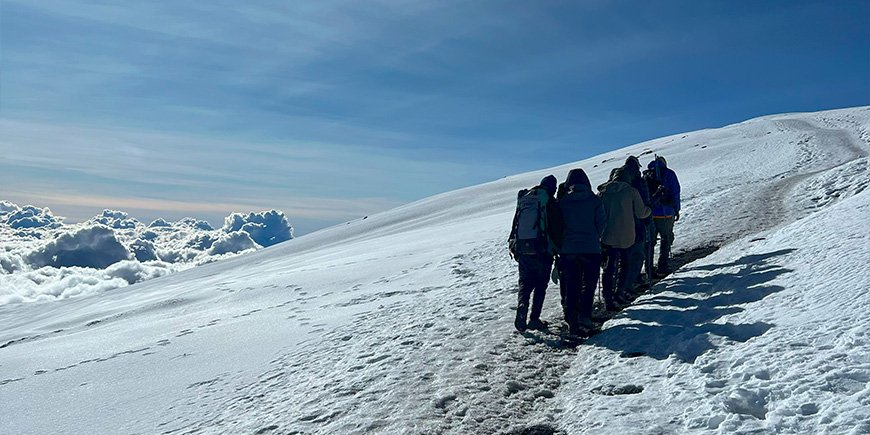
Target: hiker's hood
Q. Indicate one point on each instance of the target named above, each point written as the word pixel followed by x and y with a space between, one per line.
pixel 548 183
pixel 657 164
pixel 578 177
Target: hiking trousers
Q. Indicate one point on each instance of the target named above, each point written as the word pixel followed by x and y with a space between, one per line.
pixel 664 227
pixel 633 265
pixel 614 273
pixel 580 277
pixel 534 277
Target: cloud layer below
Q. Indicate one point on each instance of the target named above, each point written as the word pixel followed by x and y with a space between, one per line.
pixel 43 259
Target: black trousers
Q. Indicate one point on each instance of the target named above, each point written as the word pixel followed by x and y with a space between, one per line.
pixel 580 278
pixel 615 263
pixel 534 278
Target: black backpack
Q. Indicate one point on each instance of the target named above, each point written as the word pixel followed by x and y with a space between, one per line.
pixel 658 193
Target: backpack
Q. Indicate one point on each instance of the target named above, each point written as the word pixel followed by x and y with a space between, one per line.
pixel 529 232
pixel 658 193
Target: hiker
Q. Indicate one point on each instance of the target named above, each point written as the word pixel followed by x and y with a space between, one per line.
pixel 637 252
pixel 534 239
pixel 622 204
pixel 583 220
pixel 665 196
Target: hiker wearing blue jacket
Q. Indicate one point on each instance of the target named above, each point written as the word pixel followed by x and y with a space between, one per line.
pixel 665 195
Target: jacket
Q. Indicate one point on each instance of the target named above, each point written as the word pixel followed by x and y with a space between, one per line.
pixel 583 216
pixel 633 174
pixel 623 205
pixel 667 202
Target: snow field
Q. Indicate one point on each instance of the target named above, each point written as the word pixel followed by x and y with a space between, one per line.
pixel 402 322
pixel 768 342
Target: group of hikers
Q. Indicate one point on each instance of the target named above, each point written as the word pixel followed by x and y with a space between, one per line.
pixel 582 233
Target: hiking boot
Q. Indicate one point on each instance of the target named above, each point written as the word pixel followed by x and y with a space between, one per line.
pixel 520 321
pixel 585 323
pixel 537 325
pixel 576 330
pixel 663 269
pixel 661 273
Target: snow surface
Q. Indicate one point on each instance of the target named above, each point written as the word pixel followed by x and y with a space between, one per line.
pixel 402 322
pixel 43 259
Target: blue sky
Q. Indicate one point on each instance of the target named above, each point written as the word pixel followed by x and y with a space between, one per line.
pixel 332 110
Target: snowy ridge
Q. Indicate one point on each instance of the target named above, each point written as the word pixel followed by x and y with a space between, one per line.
pixel 401 322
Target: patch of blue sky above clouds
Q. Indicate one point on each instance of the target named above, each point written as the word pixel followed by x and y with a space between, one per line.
pixel 332 110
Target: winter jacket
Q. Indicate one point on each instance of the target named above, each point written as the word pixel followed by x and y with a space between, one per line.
pixel 668 202
pixel 632 171
pixel 583 216
pixel 623 205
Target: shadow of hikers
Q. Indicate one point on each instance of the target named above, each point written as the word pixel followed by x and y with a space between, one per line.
pixel 744 261
pixel 680 318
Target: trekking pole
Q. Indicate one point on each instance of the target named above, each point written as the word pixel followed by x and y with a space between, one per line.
pixel 599 295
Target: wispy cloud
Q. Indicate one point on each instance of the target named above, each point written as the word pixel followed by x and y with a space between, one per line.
pixel 277 101
pixel 308 208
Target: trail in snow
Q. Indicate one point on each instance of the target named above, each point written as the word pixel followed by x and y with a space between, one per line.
pixel 402 323
pixel 397 348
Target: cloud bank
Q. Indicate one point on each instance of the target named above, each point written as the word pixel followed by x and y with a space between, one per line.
pixel 43 259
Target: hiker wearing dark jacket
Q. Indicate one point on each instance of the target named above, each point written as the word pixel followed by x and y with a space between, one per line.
pixel 583 220
pixel 535 238
pixel 665 195
pixel 623 206
pixel 637 252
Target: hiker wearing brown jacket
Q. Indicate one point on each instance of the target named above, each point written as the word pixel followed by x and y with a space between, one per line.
pixel 623 204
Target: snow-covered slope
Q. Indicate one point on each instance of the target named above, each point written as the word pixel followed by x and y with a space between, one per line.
pixel 402 322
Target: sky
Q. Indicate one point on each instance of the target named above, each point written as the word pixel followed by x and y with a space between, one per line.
pixel 331 110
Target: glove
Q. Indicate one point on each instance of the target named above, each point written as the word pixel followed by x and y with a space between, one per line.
pixel 677 216
pixel 555 275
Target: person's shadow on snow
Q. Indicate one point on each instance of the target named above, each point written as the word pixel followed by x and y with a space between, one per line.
pixel 680 319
